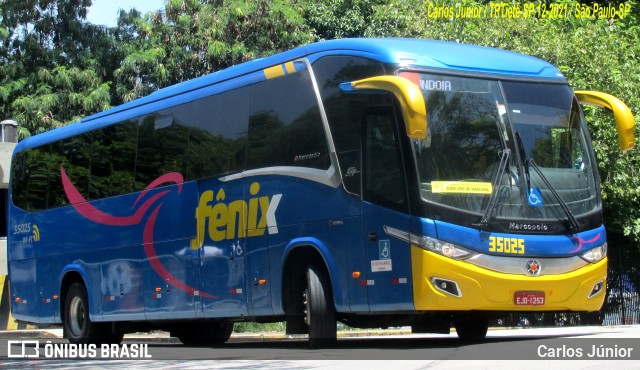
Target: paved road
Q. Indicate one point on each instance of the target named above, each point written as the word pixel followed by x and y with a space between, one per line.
pixel 503 349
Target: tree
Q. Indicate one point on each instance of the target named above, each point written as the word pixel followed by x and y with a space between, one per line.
pixel 53 98
pixel 340 18
pixel 190 38
pixel 50 63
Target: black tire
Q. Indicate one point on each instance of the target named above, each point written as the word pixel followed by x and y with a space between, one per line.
pixel 471 326
pixel 204 334
pixel 78 328
pixel 320 313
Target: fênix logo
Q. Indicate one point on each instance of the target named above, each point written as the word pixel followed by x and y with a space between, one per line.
pixel 235 219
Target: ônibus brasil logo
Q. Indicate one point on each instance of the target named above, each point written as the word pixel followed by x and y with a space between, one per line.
pixel 217 214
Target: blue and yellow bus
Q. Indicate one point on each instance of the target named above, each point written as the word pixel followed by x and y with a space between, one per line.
pixel 375 182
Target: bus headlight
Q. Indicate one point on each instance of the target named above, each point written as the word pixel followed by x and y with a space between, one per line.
pixel 444 248
pixel 595 254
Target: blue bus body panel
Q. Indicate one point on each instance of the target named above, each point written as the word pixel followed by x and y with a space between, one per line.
pixel 452 56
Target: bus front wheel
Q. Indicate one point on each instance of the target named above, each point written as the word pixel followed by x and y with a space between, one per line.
pixel 319 311
pixel 78 327
pixel 471 326
pixel 204 334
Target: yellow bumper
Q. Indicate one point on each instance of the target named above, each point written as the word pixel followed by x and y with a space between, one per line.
pixel 483 289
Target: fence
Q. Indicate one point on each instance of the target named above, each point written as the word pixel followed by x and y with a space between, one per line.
pixel 622 306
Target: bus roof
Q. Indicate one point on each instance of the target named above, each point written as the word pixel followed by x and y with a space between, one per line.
pixel 411 52
pixel 446 56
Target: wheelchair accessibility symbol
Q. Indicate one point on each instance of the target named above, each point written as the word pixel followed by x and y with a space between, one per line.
pixel 384 249
pixel 535 198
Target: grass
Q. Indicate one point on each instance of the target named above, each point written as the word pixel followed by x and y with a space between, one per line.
pixel 273 327
pixel 254 327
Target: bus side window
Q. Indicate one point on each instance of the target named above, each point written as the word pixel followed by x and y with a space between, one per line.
pixel 162 145
pixel 218 134
pixel 384 182
pixel 113 154
pixel 345 111
pixel 73 155
pixel 285 127
pixel 37 182
pixel 19 180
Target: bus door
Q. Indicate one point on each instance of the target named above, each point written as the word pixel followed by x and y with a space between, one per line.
pixel 258 275
pixel 385 210
pixel 221 247
pixel 169 282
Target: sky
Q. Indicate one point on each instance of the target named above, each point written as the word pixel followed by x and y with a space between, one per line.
pixel 105 12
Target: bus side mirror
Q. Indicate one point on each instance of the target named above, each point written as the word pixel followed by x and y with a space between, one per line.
pixel 408 94
pixel 621 113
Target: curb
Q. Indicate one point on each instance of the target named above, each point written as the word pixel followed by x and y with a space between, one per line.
pixel 163 337
pixel 28 334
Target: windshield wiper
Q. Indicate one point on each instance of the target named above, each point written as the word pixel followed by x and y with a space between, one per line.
pixel 505 154
pixel 529 162
pixel 523 157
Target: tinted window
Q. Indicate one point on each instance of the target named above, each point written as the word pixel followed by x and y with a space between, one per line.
pixel 30 179
pixel 285 128
pixel 346 111
pixel 162 145
pixel 74 156
pixel 217 139
pixel 383 169
pixel 113 155
pixel 19 180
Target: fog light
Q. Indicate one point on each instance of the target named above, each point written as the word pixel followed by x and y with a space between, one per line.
pixel 446 286
pixel 597 288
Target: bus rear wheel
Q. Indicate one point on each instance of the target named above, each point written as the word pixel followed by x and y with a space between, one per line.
pixel 78 327
pixel 204 334
pixel 320 314
pixel 471 326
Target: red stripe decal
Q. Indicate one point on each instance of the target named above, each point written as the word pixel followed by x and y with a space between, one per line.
pixel 83 207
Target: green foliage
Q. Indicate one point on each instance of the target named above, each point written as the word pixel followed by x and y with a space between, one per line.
pixel 49 60
pixel 59 96
pixel 340 18
pixel 254 327
pixel 190 38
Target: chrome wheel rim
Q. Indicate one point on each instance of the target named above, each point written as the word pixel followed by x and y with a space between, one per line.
pixel 76 316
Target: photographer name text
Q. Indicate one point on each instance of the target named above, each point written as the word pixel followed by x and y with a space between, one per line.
pixel 540 10
pixel 595 351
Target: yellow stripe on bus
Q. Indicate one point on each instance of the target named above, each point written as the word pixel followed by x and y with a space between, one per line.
pixel 290 67
pixel 273 72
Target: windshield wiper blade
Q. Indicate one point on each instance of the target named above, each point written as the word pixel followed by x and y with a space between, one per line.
pixel 574 226
pixel 523 157
pixel 505 154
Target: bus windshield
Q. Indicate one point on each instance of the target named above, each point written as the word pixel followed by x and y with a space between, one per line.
pixel 504 149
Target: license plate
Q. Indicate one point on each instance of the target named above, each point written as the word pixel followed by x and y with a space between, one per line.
pixel 529 298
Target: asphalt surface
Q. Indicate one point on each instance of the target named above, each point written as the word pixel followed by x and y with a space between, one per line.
pixel 164 337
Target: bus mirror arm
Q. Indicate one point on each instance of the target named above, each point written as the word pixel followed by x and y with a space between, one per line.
pixel 621 113
pixel 408 94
